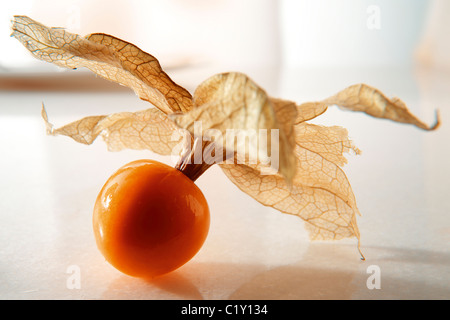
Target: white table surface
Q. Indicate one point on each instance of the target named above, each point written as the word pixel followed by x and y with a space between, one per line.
pixel 401 181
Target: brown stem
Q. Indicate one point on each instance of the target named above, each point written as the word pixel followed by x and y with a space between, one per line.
pixel 194 171
pixel 192 163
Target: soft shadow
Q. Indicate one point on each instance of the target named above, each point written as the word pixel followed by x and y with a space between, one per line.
pixel 171 286
pixel 177 284
pixel 297 283
pixel 326 272
pixel 415 256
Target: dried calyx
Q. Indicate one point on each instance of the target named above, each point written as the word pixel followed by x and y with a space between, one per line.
pixel 309 183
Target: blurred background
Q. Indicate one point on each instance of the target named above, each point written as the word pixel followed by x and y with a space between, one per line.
pixel 267 35
pixel 303 50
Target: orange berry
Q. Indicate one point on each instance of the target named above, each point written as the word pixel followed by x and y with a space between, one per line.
pixel 150 219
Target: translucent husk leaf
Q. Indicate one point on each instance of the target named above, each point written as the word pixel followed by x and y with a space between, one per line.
pixel 327 216
pixel 109 57
pixel 148 129
pixel 320 193
pixel 366 99
pixel 232 101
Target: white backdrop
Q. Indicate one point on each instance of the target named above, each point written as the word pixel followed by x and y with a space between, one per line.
pixel 253 32
pixel 351 32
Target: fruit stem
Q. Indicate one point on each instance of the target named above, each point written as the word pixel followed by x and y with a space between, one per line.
pixel 191 162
